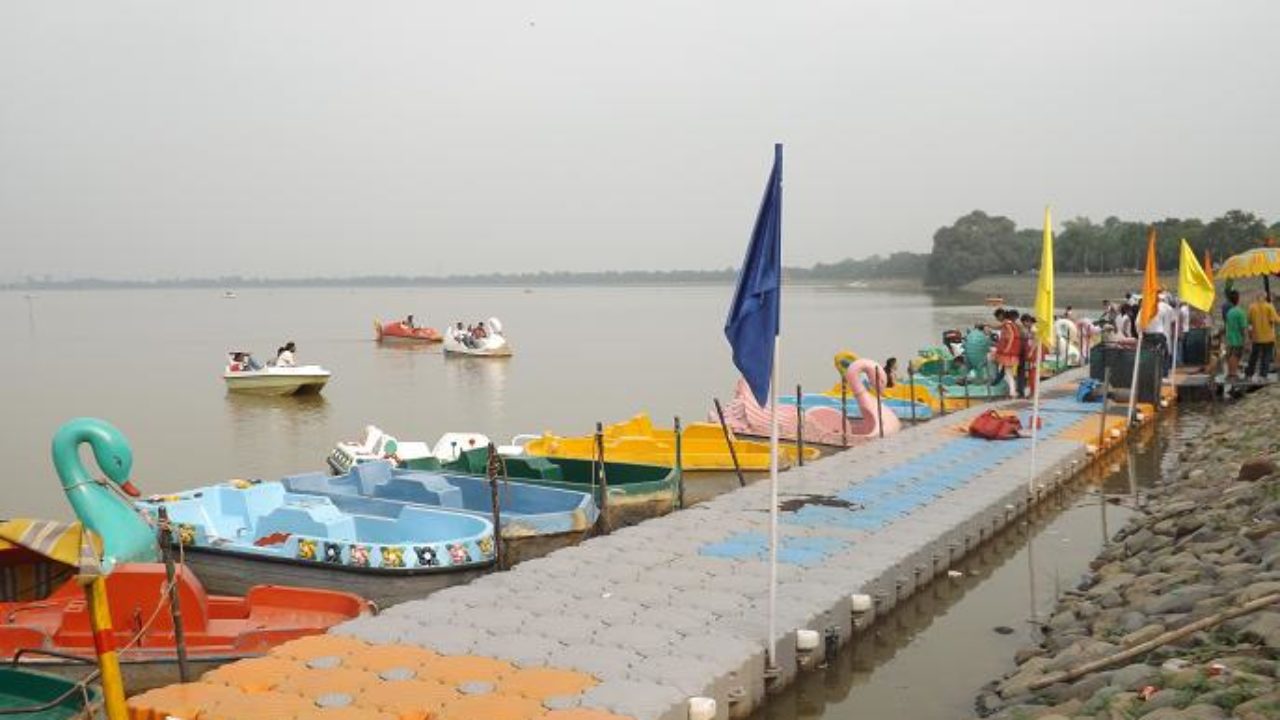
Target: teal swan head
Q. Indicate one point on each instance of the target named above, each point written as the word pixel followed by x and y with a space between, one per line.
pixel 110 449
pixel 126 535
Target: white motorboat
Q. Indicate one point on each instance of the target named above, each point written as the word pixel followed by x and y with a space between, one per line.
pixel 245 376
pixel 493 344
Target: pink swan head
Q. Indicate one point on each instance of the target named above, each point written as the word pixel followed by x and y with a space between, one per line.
pixel 869 368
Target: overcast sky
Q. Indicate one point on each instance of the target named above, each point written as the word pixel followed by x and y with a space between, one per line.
pixel 261 137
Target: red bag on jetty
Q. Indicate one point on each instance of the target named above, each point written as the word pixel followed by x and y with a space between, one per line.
pixel 994 426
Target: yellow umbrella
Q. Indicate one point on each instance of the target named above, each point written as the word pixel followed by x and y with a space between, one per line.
pixel 72 544
pixel 1257 262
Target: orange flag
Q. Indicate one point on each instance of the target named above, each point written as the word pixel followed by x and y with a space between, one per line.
pixel 1150 284
pixel 1208 266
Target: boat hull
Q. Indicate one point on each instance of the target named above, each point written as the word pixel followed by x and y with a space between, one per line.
pixel 233 574
pixel 139 675
pixel 24 687
pixel 396 333
pixel 276 385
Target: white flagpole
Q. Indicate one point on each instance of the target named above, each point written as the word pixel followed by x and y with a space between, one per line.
pixel 1035 415
pixel 1133 384
pixel 773 509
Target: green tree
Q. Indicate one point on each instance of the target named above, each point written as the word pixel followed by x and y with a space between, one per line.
pixel 967 249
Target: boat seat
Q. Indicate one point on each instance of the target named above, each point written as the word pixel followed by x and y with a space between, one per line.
pixel 424 489
pixel 323 521
pixel 370 475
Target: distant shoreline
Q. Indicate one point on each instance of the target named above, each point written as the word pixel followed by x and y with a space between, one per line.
pixel 1084 291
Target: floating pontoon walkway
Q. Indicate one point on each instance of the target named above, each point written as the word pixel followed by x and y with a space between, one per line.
pixel 657 620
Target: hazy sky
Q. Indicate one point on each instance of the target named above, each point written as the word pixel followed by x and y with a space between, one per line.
pixel 316 137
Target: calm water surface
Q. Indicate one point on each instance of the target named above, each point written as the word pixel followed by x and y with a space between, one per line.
pixel 150 361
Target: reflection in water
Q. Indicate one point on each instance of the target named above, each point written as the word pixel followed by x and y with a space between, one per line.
pixel 481 380
pixel 266 425
pixel 928 659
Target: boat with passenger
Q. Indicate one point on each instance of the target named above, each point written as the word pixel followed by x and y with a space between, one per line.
pixel 245 374
pixel 405 332
pixel 479 340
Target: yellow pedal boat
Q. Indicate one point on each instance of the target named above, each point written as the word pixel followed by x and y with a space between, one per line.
pixel 638 441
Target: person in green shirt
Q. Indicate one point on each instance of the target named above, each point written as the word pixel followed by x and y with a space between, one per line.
pixel 1237 327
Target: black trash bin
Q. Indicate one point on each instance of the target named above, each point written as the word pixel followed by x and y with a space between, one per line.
pixel 1120 360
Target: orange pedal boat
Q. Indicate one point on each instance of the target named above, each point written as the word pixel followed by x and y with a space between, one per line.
pixel 52 633
pixel 399 333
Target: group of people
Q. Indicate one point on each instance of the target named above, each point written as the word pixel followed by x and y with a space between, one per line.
pixel 1257 325
pixel 243 361
pixel 472 335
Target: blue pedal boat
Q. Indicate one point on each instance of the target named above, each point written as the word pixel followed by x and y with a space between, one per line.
pixel 535 519
pixel 900 407
pixel 243 533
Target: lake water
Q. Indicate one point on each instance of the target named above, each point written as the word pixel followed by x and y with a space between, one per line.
pixel 150 361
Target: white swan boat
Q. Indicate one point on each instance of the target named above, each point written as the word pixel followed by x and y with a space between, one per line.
pixel 272 380
pixel 494 344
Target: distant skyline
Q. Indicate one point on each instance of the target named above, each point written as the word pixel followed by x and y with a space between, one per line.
pixel 299 138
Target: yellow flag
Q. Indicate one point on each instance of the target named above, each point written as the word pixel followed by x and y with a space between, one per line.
pixel 1150 284
pixel 1194 285
pixel 1044 286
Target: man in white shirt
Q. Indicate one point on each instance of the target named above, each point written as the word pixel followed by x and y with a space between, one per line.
pixel 1160 329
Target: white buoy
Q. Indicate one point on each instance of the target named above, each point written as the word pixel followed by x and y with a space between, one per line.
pixel 861 603
pixel 807 640
pixel 1091 449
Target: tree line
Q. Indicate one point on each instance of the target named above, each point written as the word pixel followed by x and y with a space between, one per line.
pixel 981 244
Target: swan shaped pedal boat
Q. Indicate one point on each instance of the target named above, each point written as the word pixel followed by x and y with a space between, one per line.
pixel 822 425
pixel 703 447
pixel 493 344
pixel 535 519
pixel 387 552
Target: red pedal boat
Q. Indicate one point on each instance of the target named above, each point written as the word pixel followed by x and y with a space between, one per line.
pixel 399 332
pixel 218 628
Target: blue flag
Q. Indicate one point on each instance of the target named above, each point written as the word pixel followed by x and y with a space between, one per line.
pixel 752 325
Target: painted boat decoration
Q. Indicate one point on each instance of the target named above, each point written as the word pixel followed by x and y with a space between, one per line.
pixel 397 332
pixel 822 425
pixel 494 344
pixel 33 695
pixel 703 447
pixel 271 380
pixel 413 455
pixel 535 519
pixel 218 629
pixel 238 531
pixel 636 491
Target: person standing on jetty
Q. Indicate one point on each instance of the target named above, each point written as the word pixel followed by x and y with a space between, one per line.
pixel 1262 332
pixel 1009 350
pixel 1026 359
pixel 1237 326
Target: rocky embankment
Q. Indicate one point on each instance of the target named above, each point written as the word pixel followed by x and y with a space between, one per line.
pixel 1206 549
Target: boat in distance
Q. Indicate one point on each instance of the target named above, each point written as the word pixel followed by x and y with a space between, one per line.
pixel 398 332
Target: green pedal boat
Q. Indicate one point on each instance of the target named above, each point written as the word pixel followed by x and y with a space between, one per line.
pixel 31 695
